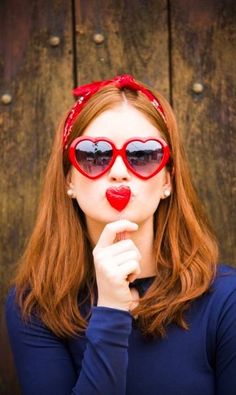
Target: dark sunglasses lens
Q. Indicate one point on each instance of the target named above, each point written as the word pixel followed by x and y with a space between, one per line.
pixel 93 157
pixel 144 157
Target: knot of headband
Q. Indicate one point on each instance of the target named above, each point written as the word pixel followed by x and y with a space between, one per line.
pixel 84 92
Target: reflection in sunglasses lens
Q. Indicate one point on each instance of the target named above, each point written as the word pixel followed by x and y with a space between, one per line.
pixel 144 157
pixel 92 157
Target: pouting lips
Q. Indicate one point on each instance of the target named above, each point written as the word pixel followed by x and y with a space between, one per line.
pixel 118 197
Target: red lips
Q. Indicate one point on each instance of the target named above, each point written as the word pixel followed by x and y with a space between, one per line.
pixel 118 197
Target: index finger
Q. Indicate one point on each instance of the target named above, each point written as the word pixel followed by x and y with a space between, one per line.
pixel 111 230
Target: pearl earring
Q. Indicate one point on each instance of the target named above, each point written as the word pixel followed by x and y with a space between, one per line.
pixel 70 193
pixel 166 193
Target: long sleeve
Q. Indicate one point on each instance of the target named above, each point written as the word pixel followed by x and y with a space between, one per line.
pixel 114 358
pixel 44 363
pixel 105 362
pixel 226 348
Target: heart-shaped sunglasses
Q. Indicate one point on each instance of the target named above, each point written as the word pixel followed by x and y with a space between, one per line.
pixel 95 156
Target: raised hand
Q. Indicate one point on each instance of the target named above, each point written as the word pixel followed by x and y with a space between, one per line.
pixel 116 264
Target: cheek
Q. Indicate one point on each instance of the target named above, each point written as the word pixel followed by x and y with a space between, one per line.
pixel 87 200
pixel 150 193
pixel 151 197
pixel 87 192
pixel 152 188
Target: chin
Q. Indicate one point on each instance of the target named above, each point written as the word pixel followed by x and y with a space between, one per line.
pixel 128 215
pixel 106 214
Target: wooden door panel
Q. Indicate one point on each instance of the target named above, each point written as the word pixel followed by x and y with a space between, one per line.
pixel 133 39
pixel 203 51
pixel 38 76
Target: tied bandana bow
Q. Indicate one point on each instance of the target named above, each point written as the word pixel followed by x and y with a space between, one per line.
pixel 84 93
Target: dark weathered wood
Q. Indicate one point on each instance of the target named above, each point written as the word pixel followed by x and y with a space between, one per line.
pixel 203 36
pixel 39 78
pixel 135 40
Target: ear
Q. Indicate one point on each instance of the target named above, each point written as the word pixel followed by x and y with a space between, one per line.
pixel 69 185
pixel 166 186
pixel 69 179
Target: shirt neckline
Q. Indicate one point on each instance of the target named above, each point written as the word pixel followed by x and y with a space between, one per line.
pixel 142 284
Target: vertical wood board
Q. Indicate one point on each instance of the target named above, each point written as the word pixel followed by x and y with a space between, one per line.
pixel 203 50
pixel 135 41
pixel 39 78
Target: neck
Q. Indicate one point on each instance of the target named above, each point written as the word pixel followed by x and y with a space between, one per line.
pixel 142 238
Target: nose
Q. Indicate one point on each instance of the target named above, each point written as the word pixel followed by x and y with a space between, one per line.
pixel 119 171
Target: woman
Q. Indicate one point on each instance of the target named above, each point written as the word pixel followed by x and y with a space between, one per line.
pixel 119 290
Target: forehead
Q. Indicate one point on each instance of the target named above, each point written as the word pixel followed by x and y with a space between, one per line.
pixel 121 123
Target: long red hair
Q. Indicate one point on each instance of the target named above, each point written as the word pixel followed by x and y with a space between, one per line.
pixel 55 275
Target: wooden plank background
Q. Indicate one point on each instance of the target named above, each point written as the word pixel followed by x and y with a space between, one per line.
pixel 169 44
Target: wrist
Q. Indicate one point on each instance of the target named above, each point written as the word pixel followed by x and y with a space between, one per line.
pixel 112 305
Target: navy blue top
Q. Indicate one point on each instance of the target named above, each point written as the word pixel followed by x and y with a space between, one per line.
pixel 113 358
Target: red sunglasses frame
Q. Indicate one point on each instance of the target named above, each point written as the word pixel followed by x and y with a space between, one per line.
pixel 117 152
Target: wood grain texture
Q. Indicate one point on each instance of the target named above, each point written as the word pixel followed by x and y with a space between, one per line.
pixel 135 41
pixel 39 78
pixel 203 49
